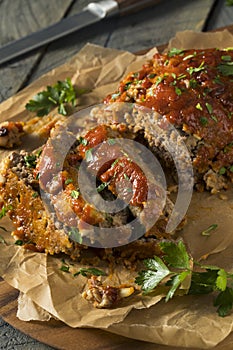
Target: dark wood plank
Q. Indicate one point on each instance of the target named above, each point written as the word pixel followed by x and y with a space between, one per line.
pixel 19 18
pixel 147 28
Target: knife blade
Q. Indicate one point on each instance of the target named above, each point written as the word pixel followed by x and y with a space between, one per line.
pixel 92 13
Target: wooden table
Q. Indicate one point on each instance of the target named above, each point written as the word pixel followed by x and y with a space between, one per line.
pixel 150 27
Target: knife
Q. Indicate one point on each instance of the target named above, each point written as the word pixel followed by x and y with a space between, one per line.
pixel 92 13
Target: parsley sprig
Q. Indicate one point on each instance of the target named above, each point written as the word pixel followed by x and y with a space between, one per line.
pixel 61 95
pixel 177 266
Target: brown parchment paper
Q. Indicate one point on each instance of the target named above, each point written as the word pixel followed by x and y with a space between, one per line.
pixel 188 321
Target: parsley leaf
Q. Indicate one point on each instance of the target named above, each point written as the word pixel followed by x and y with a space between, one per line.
pixel 175 254
pixel 224 301
pixel 156 272
pixel 226 68
pixel 176 282
pixel 60 95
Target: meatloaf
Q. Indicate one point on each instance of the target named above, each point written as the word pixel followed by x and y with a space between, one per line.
pixel 40 193
pixel 193 90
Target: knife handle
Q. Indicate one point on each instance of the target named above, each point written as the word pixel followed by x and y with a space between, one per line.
pixel 127 6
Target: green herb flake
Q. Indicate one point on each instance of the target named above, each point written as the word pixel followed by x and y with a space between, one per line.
pixel 111 142
pixel 114 96
pixel 30 160
pixel 204 121
pixel 193 83
pixel 65 268
pixel 102 186
pixel 214 118
pixel 75 235
pixel 151 76
pixel 178 91
pixel 209 229
pixel 181 76
pixel 231 169
pixel 192 70
pixel 209 107
pixel 75 194
pixel 174 51
pixel 217 80
pixel 83 141
pixel 226 68
pixel 127 85
pixel 199 106
pixel 226 58
pixel 19 242
pixel 88 155
pixel 68 181
pixel 126 177
pixel 222 170
pixel 188 57
pixel 35 195
pixel 87 272
pixel 4 210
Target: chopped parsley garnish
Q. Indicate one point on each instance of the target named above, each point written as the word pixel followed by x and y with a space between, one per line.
pixel 75 235
pixel 209 107
pixel 176 265
pixel 217 80
pixel 61 95
pixel 83 141
pixel 75 194
pixel 222 170
pixel 89 155
pixel 209 229
pixel 86 272
pixel 204 121
pixel 214 118
pixel 192 70
pixel 30 160
pixel 102 186
pixel 126 177
pixel 178 91
pixel 114 96
pixel 159 80
pixel 151 76
pixel 127 85
pixel 188 57
pixel 65 268
pixel 68 181
pixel 226 68
pixel 198 106
pixel 19 242
pixel 4 210
pixel 193 83
pixel 174 51
pixel 226 58
pixel 111 142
